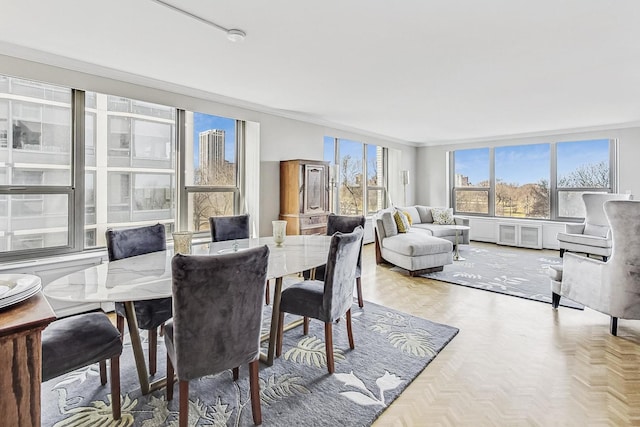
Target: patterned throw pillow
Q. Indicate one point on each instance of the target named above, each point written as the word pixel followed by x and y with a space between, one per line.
pixel 409 219
pixel 401 222
pixel 442 216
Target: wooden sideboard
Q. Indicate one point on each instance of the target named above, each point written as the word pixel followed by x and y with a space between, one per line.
pixel 21 326
pixel 304 196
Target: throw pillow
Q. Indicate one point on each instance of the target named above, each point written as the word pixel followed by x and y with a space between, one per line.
pixel 413 213
pixel 425 214
pixel 401 222
pixel 409 220
pixel 389 224
pixel 442 216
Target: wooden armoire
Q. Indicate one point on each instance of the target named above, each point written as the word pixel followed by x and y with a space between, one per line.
pixel 304 196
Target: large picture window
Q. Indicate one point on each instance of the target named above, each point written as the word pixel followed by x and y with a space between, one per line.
pixel 537 181
pixel 75 163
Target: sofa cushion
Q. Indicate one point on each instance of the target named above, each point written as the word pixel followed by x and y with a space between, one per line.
pixel 413 213
pixel 438 230
pixel 390 227
pixel 425 214
pixel 442 216
pixel 401 221
pixel 416 243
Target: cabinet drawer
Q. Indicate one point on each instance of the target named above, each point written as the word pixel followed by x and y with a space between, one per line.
pixel 322 230
pixel 313 221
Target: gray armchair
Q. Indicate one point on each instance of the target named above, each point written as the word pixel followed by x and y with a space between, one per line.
pixel 611 287
pixel 150 314
pixel 77 341
pixel 343 224
pixel 217 320
pixel 326 301
pixel 592 237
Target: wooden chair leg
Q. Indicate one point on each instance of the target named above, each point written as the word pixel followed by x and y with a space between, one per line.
pixel 613 326
pixel 305 326
pixel 267 294
pixel 280 334
pixel 561 253
pixel 184 404
pixel 153 351
pixel 103 372
pixel 254 386
pixel 236 373
pixel 170 379
pixel 120 325
pixel 555 300
pixel 350 331
pixel 359 288
pixel 115 388
pixel 161 330
pixel 328 340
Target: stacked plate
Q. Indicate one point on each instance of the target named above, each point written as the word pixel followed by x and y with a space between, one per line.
pixel 15 288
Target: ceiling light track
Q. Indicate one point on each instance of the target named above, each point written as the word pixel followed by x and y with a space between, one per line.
pixel 233 34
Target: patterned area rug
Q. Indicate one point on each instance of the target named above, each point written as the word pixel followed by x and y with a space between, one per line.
pixel 517 273
pixel 392 348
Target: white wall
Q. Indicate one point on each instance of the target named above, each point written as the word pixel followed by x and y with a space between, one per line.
pixel 281 138
pixel 432 187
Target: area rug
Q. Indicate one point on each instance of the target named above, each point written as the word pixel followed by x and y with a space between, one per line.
pixel 517 273
pixel 392 348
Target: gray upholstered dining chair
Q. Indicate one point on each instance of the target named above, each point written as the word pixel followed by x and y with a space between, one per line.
pixel 233 227
pixel 73 342
pixel 613 286
pixel 217 320
pixel 326 300
pixel 343 224
pixel 150 314
pixel 592 236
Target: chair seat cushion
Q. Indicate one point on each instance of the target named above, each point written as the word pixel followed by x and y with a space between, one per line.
pixel 149 313
pixel 304 299
pixel 584 239
pixel 77 341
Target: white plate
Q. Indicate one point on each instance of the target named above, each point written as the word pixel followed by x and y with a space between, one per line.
pixel 6 302
pixel 15 284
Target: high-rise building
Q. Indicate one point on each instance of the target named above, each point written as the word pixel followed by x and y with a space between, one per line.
pixel 211 148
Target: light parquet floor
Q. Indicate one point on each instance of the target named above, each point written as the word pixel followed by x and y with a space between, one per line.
pixel 515 362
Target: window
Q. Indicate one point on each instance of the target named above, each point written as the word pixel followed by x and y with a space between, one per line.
pixel 471 181
pixel 582 166
pixel 539 181
pixel 128 177
pixel 36 195
pixel 522 181
pixel 211 168
pixel 136 171
pixel 357 178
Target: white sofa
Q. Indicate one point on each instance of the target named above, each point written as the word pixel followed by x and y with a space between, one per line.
pixel 424 248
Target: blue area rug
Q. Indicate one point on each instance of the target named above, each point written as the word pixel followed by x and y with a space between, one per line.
pixel 516 273
pixel 392 348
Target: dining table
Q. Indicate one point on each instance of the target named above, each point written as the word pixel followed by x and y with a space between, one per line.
pixel 148 276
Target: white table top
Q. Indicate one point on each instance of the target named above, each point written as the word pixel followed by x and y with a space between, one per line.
pixel 149 276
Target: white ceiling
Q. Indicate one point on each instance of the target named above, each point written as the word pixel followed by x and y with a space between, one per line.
pixel 419 71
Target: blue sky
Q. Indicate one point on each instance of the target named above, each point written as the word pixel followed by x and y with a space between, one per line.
pixel 524 164
pixel 202 122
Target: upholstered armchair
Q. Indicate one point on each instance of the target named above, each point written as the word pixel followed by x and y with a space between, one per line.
pixel 611 287
pixel 77 341
pixel 217 320
pixel 343 224
pixel 592 237
pixel 326 300
pixel 150 314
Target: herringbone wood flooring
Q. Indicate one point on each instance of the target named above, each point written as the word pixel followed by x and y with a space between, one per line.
pixel 515 362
